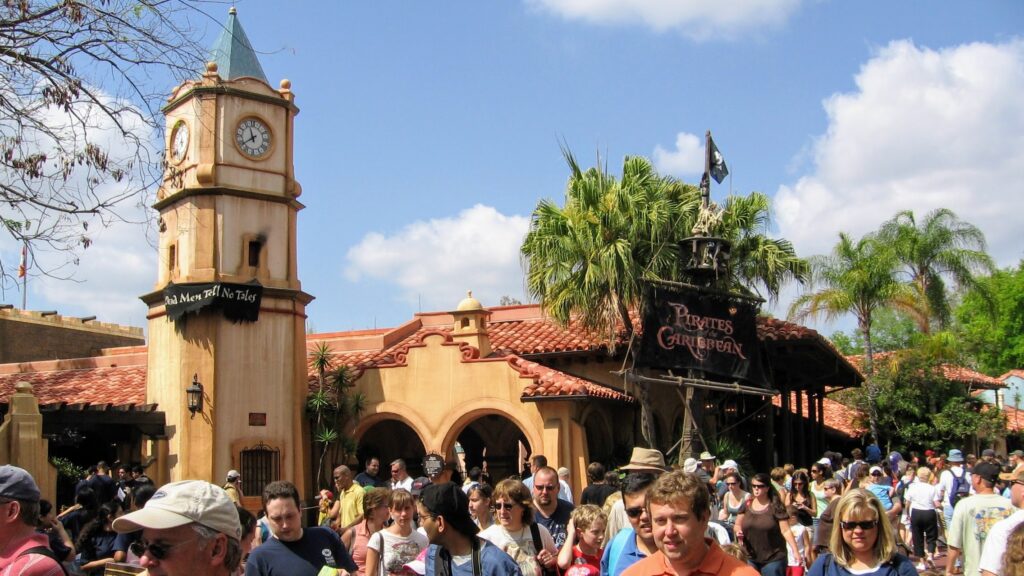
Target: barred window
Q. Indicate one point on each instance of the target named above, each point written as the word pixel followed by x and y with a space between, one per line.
pixel 261 465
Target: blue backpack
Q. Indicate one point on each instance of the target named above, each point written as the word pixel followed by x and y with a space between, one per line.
pixel 961 487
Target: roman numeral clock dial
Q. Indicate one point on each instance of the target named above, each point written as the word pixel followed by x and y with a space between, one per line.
pixel 253 137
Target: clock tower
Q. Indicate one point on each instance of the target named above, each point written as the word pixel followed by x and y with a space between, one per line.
pixel 227 219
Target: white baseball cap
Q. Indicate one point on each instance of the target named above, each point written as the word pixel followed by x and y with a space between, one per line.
pixel 730 464
pixel 180 503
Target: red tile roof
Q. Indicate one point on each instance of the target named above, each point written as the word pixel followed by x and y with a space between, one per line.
pixel 514 332
pixel 837 416
pixel 117 386
pixel 550 383
pixel 1018 373
pixel 951 372
pixel 1014 419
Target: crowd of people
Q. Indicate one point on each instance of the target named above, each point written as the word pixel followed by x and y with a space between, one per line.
pixel 864 515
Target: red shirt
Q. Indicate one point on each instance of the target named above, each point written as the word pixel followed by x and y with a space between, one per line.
pixel 716 563
pixel 30 564
pixel 583 564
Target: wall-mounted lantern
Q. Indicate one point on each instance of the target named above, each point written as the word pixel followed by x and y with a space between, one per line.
pixel 194 396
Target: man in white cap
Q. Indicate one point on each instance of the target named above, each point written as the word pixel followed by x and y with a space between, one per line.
pixel 189 528
pixel 22 549
pixel 233 486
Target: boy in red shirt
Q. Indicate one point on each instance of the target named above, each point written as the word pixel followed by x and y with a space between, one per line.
pixel 584 542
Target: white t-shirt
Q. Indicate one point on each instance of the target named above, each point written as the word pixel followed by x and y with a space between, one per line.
pixel 519 545
pixel 920 495
pixel 403 484
pixel 945 485
pixel 798 531
pixel 995 544
pixel 397 549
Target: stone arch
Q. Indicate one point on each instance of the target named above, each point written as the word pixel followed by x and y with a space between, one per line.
pixel 600 440
pixel 494 428
pixel 390 435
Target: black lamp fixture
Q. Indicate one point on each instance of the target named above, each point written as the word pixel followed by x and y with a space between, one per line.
pixel 194 395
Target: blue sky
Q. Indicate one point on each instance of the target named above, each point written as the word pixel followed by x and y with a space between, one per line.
pixel 429 131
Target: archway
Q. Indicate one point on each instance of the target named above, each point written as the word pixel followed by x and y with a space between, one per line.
pixel 600 444
pixel 496 440
pixel 390 439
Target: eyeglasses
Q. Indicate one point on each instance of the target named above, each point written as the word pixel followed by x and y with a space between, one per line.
pixel 863 525
pixel 635 512
pixel 545 487
pixel 758 486
pixel 504 506
pixel 157 551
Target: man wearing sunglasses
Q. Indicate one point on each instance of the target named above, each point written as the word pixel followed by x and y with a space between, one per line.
pixel 551 511
pixel 636 541
pixel 995 545
pixel 189 528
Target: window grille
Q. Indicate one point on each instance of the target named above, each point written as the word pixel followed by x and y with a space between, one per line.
pixel 261 465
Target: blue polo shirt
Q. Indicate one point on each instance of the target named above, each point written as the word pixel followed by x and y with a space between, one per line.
pixel 621 553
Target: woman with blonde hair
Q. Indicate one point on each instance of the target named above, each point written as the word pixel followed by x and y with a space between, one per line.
pixel 375 514
pixel 924 521
pixel 863 543
pixel 1013 558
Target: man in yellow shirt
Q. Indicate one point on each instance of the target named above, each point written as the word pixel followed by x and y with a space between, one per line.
pixel 348 509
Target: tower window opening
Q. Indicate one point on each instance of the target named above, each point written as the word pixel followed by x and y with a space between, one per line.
pixel 254 253
pixel 465 322
pixel 172 257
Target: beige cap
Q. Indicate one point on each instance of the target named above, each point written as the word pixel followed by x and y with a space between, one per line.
pixel 180 503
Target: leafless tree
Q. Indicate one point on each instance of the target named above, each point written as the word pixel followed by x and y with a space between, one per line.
pixel 81 85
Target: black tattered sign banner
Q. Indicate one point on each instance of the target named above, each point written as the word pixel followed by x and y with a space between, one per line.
pixel 688 330
pixel 238 302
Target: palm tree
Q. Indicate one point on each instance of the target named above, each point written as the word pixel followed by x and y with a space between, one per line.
pixel 330 406
pixel 941 247
pixel 858 277
pixel 586 260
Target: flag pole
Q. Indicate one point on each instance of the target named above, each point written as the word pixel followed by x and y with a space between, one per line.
pixel 705 196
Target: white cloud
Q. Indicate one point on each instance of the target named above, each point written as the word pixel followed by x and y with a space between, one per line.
pixel 438 260
pixel 698 19
pixel 687 159
pixel 105 279
pixel 924 129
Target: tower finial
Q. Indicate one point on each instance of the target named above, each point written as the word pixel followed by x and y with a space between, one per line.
pixel 232 11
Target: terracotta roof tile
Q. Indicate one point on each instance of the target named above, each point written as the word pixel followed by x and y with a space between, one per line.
pixel 951 372
pixel 1014 419
pixel 1019 373
pixel 551 383
pixel 118 386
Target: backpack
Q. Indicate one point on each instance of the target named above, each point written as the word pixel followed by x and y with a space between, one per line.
pixel 961 488
pixel 538 546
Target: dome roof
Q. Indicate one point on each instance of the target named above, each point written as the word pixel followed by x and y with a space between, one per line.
pixel 469 303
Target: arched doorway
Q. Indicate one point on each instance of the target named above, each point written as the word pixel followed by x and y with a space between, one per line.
pixel 390 439
pixel 495 440
pixel 600 444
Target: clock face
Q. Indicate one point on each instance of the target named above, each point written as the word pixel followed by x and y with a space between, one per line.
pixel 179 141
pixel 253 137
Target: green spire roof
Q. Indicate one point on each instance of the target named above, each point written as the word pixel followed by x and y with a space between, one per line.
pixel 234 54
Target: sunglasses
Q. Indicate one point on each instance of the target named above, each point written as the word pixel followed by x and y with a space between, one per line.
pixel 545 487
pixel 757 486
pixel 815 471
pixel 876 473
pixel 798 483
pixel 503 506
pixel 156 551
pixel 635 512
pixel 863 525
pixel 730 483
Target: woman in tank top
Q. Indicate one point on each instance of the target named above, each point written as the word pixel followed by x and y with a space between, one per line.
pixel 734 502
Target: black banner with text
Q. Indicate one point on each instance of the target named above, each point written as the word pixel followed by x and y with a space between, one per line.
pixel 685 329
pixel 238 302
